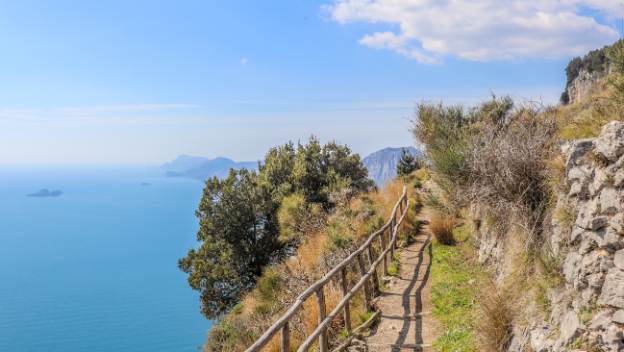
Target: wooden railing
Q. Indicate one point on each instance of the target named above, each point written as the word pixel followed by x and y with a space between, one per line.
pixel 368 281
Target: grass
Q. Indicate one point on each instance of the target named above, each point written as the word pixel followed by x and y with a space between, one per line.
pixel 441 225
pixel 453 293
pixel 364 316
pixel 393 268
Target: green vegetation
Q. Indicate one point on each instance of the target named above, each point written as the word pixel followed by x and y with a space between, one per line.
pixel 407 164
pixel 249 218
pixel 453 292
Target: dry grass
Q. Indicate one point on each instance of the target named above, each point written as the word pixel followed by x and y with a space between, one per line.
pixel 441 226
pixel 494 322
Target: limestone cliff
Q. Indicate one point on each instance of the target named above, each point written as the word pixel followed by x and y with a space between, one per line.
pixel 586 311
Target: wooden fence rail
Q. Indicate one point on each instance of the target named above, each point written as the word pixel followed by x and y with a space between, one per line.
pixel 368 281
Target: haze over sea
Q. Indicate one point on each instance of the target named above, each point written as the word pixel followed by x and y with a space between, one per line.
pixel 95 269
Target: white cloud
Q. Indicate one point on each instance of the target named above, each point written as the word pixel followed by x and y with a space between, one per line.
pixel 481 30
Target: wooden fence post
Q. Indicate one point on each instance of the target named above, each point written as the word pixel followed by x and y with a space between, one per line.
pixel 393 222
pixel 285 344
pixel 371 260
pixel 320 298
pixel 382 238
pixel 347 309
pixel 367 303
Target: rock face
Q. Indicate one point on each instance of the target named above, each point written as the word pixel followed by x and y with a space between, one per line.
pixel 588 310
pixel 584 85
pixel 382 164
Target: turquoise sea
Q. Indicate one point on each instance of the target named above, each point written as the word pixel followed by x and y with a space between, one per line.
pixel 95 269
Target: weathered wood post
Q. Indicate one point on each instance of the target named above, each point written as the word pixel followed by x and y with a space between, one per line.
pixel 392 224
pixel 347 309
pixel 371 259
pixel 367 303
pixel 320 298
pixel 285 344
pixel 382 238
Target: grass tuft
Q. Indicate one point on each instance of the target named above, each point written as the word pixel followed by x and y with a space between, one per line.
pixel 441 226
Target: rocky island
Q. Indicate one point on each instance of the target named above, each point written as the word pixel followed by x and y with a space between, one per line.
pixel 44 193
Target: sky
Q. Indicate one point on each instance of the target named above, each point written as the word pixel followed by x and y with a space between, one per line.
pixel 140 82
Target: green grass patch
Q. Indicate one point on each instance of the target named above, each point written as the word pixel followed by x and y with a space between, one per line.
pixel 364 316
pixel 454 280
pixel 393 268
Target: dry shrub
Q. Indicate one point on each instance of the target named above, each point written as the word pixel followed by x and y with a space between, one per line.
pixel 387 197
pixel 309 253
pixel 310 311
pixel 441 226
pixel 495 316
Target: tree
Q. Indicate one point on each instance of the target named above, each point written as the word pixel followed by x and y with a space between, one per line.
pixel 240 217
pixel 407 164
pixel 237 227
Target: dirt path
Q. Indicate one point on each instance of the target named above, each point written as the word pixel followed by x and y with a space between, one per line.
pixel 406 323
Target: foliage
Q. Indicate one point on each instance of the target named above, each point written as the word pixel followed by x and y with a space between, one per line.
pixel 441 130
pixel 616 81
pixel 237 222
pixel 296 217
pixel 407 164
pixel 493 154
pixel 250 219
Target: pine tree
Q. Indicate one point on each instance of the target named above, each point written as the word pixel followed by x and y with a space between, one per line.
pixel 407 164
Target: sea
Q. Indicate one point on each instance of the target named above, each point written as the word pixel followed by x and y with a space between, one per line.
pixel 95 269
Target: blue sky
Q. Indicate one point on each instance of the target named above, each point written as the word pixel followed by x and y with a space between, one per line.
pixel 139 82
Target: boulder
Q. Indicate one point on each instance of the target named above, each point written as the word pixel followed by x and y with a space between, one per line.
pixel 610 143
pixel 613 289
pixel 618 317
pixel 618 259
pixel 570 328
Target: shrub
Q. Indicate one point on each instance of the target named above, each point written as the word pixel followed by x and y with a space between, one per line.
pixel 441 227
pixel 494 322
pixel 440 129
pixel 296 217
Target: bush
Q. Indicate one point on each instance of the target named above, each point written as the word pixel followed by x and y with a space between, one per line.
pixel 441 130
pixel 296 217
pixel 441 227
pixel 494 322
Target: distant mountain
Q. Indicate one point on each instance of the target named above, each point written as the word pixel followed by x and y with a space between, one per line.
pixel 201 168
pixel 382 164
